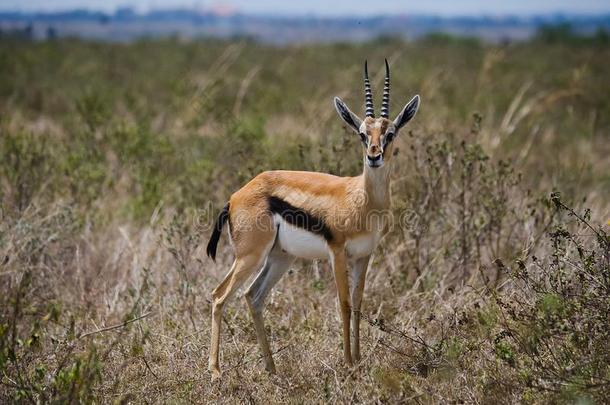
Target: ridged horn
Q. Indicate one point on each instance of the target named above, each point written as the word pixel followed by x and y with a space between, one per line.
pixel 368 95
pixel 385 104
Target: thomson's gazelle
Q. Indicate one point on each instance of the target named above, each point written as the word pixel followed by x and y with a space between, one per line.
pixel 280 215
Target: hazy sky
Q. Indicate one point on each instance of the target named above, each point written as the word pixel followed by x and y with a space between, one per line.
pixel 336 7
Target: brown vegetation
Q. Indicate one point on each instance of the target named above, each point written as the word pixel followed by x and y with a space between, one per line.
pixel 493 286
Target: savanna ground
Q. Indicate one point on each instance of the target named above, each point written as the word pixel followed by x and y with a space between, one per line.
pixel 492 287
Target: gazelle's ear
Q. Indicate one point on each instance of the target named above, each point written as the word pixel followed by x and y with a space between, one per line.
pixel 346 115
pixel 407 113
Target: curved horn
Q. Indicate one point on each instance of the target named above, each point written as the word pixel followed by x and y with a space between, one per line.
pixel 385 104
pixel 368 95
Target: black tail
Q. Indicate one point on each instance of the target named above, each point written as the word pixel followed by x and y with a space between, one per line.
pixel 220 222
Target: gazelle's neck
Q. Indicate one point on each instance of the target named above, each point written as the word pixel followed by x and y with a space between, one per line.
pixel 377 185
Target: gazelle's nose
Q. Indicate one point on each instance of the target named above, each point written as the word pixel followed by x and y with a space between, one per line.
pixel 374 149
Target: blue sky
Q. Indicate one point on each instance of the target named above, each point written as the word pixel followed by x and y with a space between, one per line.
pixel 339 7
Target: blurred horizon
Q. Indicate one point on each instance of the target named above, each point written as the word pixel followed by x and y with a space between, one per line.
pixel 280 23
pixel 319 8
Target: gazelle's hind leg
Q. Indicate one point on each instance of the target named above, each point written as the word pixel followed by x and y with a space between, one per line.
pixel 250 256
pixel 276 266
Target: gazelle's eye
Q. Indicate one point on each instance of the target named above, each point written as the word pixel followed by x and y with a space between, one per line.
pixel 363 137
pixel 388 138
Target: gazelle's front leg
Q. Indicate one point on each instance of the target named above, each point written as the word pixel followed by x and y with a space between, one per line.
pixel 358 280
pixel 341 280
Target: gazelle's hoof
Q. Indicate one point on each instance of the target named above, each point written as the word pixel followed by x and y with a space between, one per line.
pixel 215 374
pixel 271 369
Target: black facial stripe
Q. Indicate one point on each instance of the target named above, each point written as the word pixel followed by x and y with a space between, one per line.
pixel 300 218
pixel 387 139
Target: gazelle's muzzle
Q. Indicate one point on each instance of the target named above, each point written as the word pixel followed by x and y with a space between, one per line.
pixel 374 161
pixel 373 149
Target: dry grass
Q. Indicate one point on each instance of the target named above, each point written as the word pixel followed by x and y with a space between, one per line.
pixel 104 280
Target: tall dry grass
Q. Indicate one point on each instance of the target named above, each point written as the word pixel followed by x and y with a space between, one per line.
pixel 491 287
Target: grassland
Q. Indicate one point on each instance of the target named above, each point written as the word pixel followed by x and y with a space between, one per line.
pixel 494 285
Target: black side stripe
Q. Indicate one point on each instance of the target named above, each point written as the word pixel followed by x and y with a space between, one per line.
pixel 299 217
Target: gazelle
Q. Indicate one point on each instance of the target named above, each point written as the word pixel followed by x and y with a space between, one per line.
pixel 280 215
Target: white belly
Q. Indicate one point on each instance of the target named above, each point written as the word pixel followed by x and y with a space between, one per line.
pixel 299 242
pixel 308 245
